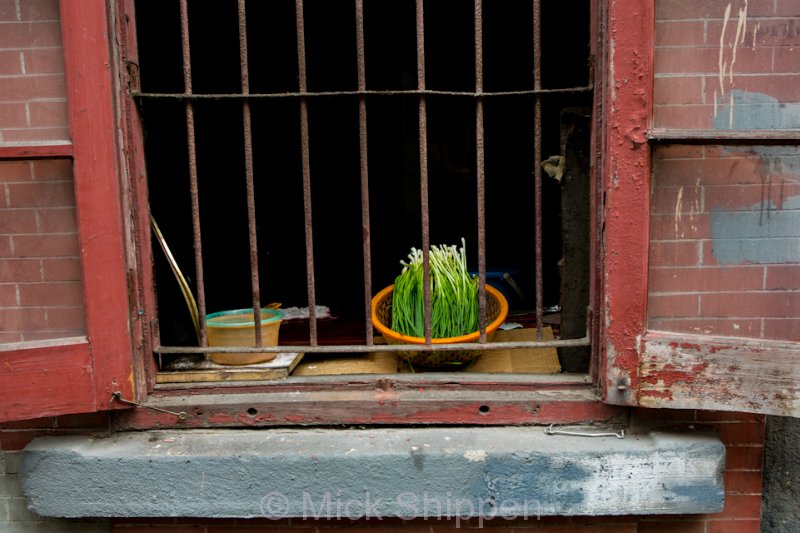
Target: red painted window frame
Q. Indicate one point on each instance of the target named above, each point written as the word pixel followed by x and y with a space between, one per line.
pixel 61 376
pixel 82 375
pixel 642 367
pixel 360 400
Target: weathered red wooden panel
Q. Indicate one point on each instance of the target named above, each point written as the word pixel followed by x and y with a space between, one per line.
pixel 370 407
pixel 36 151
pixel 626 185
pixel 45 378
pixel 98 194
pixel 727 374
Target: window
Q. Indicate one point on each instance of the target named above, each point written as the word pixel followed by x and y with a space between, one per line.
pixel 646 348
pixel 296 151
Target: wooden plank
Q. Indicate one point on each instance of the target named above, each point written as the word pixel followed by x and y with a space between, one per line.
pixel 36 151
pixel 85 33
pixel 45 378
pixel 135 201
pixel 377 403
pixel 725 374
pixel 626 175
pixel 207 371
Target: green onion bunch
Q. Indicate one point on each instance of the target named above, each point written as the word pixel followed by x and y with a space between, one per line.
pixel 454 294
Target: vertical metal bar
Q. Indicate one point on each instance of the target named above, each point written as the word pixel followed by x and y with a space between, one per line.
pixel 423 169
pixel 193 188
pixel 537 161
pixel 480 167
pixel 248 167
pixel 362 147
pixel 303 86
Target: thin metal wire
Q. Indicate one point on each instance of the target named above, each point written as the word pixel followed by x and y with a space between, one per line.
pixel 537 164
pixel 364 169
pixel 365 92
pixel 248 165
pixel 304 150
pixel 480 168
pixel 193 187
pixel 360 348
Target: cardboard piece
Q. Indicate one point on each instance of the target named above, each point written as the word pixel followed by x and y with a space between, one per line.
pixel 519 361
pixel 371 363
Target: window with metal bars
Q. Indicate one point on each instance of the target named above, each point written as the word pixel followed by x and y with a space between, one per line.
pixel 297 149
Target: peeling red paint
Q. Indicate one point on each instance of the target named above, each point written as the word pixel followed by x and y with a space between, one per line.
pixel 665 394
pixel 626 174
pixel 690 346
pixel 715 375
pixel 358 409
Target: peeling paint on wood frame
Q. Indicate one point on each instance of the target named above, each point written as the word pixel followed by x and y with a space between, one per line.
pixel 365 405
pixel 725 374
pixel 626 181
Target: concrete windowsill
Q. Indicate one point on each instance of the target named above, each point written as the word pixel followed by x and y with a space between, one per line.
pixel 382 472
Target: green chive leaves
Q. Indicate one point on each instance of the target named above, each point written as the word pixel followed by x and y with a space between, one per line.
pixel 454 294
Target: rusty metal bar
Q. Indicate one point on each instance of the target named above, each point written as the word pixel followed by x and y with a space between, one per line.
pixel 480 168
pixel 537 163
pixel 423 170
pixel 366 92
pixel 193 188
pixel 304 150
pixel 362 148
pixel 248 167
pixel 360 348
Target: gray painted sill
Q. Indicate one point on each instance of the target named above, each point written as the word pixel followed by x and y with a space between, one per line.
pixel 514 472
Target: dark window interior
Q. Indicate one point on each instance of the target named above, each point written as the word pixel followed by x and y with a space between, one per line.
pixel 390 44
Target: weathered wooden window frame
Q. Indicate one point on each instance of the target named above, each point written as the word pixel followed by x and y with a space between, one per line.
pixel 666 369
pixel 82 375
pixel 406 399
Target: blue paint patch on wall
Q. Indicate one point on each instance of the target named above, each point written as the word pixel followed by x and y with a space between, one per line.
pixel 761 234
pixel 755 111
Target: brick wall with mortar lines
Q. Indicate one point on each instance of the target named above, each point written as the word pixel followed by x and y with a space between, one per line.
pixel 40 279
pixel 717 52
pixel 725 221
pixel 725 241
pixel 743 435
pixel 14 514
pixel 32 91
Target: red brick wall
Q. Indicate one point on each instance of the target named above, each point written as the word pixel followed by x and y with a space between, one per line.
pixel 725 239
pixel 725 221
pixel 40 280
pixel 702 59
pixel 32 91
